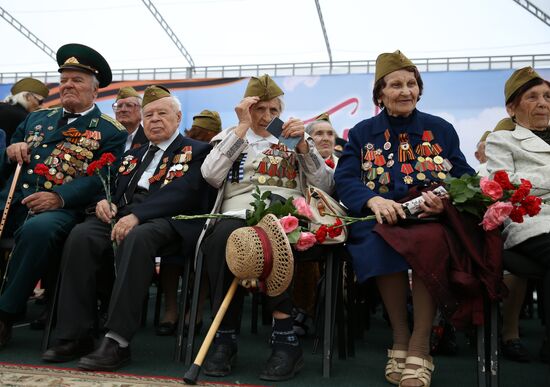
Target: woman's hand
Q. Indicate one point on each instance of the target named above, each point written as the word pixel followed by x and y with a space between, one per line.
pixel 386 209
pixel 243 114
pixel 433 205
pixel 294 127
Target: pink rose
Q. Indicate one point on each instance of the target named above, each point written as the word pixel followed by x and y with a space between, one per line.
pixel 302 207
pixel 496 214
pixel 289 223
pixel 305 241
pixel 490 188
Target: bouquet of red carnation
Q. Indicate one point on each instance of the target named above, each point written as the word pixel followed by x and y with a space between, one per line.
pixel 493 200
pixel 106 160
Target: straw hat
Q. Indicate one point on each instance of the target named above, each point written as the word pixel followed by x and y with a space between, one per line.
pixel 261 253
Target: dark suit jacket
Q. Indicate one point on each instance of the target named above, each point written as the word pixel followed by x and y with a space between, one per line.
pixel 189 194
pixel 139 138
pixel 10 117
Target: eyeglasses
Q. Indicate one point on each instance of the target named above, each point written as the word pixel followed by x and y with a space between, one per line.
pixel 40 101
pixel 127 105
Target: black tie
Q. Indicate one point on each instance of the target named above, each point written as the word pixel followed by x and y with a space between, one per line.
pixel 128 195
pixel 66 115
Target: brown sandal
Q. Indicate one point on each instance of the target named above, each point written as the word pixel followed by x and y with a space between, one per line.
pixel 393 366
pixel 423 373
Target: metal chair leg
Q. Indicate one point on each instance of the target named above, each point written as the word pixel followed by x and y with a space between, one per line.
pixel 493 349
pixel 193 311
pixel 185 279
pixel 327 331
pixel 481 357
pixel 50 322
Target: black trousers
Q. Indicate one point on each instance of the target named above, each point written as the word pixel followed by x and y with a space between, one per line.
pixel 538 250
pixel 220 277
pixel 88 249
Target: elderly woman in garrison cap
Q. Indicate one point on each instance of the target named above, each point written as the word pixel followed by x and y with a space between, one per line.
pixel 246 157
pixel 388 154
pixel 525 154
pixel 27 95
pixel 324 135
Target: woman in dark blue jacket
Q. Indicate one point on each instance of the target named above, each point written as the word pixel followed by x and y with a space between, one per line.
pixel 386 156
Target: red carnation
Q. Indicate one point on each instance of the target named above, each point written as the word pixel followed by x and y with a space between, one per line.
pixel 526 184
pixel 94 165
pixel 335 229
pixel 321 234
pixel 531 205
pixel 107 158
pixel 501 177
pixel 330 163
pixel 520 194
pixel 41 169
pixel 517 214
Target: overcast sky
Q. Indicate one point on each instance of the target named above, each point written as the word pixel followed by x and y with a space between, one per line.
pixel 218 32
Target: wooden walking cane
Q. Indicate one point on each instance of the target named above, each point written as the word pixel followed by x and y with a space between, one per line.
pixel 5 215
pixel 192 373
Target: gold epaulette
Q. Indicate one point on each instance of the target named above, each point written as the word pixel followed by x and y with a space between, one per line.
pixel 118 125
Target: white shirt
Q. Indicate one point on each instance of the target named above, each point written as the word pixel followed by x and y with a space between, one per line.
pixel 257 144
pixel 150 170
pixel 129 140
pixel 70 120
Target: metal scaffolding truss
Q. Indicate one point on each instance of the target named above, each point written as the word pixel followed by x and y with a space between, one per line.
pixel 477 63
pixel 325 35
pixel 534 10
pixel 26 33
pixel 150 6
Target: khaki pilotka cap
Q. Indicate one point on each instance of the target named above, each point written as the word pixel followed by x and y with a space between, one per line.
pixel 505 124
pixel 519 78
pixel 127 92
pixel 389 62
pixel 484 136
pixel 208 119
pixel 263 87
pixel 32 85
pixel 153 93
pixel 323 117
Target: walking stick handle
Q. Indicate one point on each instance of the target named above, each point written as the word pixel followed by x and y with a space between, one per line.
pixel 192 373
pixel 9 198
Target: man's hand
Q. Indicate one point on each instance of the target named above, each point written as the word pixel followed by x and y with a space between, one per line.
pixel 123 227
pixel 294 127
pixel 42 201
pixel 243 114
pixel 103 213
pixel 386 209
pixel 19 152
pixel 433 205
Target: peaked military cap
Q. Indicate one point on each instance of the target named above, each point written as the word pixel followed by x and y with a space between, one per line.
pixel 153 93
pixel 505 124
pixel 208 119
pixel 263 87
pixel 517 79
pixel 74 56
pixel 389 62
pixel 323 117
pixel 32 85
pixel 127 92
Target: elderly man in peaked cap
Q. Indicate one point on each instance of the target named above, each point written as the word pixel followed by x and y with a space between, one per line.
pixel 27 95
pixel 157 181
pixel 45 207
pixel 127 108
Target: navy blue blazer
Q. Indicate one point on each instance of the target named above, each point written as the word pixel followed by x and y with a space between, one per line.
pixel 188 194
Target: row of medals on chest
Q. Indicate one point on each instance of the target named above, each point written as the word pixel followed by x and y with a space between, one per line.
pixel 68 159
pixel 177 169
pixel 276 165
pixel 374 162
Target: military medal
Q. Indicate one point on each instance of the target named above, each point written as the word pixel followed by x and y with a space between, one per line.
pixel 383 189
pixel 407 169
pixel 387 144
pixel 405 151
pixel 371 185
pixel 421 176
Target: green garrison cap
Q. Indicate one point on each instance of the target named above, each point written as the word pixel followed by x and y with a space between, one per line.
pixel 519 78
pixel 154 92
pixel 74 56
pixel 505 124
pixel 484 136
pixel 323 117
pixel 127 92
pixel 263 87
pixel 389 62
pixel 32 85
pixel 208 119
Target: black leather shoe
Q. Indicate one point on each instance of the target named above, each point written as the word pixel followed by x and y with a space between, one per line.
pixel 220 360
pixel 68 350
pixel 5 333
pixel 108 357
pixel 166 328
pixel 283 364
pixel 514 350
